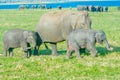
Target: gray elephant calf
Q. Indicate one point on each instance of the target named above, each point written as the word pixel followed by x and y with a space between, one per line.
pixel 20 38
pixel 85 38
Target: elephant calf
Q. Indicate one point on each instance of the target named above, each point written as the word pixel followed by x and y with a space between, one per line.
pixel 20 38
pixel 85 38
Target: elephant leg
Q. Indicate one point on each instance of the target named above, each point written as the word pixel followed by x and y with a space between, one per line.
pixel 91 47
pixel 36 50
pixel 77 49
pixel 10 52
pixel 5 53
pixel 69 53
pixel 93 51
pixel 26 54
pixel 54 49
pixel 25 46
pixel 78 53
pixel 29 53
pixel 69 50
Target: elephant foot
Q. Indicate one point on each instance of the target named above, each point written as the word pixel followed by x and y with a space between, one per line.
pixel 5 55
pixel 79 57
pixel 27 54
pixel 94 55
pixel 55 54
pixel 11 54
pixel 110 49
pixel 67 57
pixel 35 53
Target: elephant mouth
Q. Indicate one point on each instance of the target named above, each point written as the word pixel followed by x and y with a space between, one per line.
pixel 101 41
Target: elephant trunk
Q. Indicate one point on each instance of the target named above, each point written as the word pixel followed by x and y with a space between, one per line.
pixel 107 45
pixel 33 44
pixel 30 47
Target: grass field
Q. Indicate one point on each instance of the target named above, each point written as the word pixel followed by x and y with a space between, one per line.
pixel 46 67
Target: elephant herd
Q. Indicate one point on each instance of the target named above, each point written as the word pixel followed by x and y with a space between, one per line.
pixel 93 8
pixel 25 6
pixel 54 27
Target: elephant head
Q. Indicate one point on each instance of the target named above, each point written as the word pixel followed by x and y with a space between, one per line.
pixel 30 37
pixel 100 37
pixel 81 20
pixel 85 21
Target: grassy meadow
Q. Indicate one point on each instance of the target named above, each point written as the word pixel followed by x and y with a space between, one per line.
pixel 46 67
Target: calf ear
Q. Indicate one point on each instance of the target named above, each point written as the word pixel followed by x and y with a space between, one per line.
pixel 25 34
pixel 96 37
pixel 99 35
pixel 93 38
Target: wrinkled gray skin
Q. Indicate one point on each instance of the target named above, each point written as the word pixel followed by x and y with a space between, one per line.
pixel 19 38
pixel 84 38
pixel 54 27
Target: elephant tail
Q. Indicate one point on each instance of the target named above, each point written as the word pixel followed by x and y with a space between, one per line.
pixel 46 46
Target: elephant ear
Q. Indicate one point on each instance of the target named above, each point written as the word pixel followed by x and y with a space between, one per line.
pixel 92 38
pixel 73 20
pixel 100 36
pixel 97 37
pixel 81 20
pixel 25 34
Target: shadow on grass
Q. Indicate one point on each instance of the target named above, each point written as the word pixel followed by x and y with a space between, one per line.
pixel 60 52
pixel 103 51
pixel 49 52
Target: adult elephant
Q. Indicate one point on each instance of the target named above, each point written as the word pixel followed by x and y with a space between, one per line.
pixel 54 27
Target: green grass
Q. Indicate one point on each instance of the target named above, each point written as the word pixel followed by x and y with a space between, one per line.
pixel 46 67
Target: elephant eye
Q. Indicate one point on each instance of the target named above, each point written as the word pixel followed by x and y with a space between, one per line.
pixel 102 40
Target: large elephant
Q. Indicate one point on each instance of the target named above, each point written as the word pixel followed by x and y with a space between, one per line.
pixel 84 38
pixel 20 38
pixel 54 27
